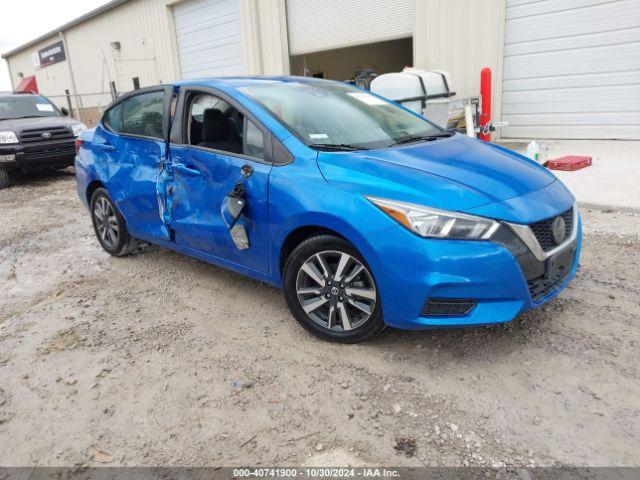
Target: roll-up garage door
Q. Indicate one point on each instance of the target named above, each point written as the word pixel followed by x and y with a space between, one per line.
pixel 316 25
pixel 572 69
pixel 208 38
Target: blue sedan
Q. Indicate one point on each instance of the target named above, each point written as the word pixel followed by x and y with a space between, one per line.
pixel 363 212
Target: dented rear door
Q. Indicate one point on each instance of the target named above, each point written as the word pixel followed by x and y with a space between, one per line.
pixel 143 153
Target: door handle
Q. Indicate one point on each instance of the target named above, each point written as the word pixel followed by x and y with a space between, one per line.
pixel 189 171
pixel 105 146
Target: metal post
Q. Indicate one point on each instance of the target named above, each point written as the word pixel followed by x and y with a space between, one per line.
pixel 66 92
pixel 73 78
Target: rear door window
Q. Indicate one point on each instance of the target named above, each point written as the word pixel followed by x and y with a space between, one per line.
pixel 142 114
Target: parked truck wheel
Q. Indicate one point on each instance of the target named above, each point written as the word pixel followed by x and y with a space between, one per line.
pixel 4 178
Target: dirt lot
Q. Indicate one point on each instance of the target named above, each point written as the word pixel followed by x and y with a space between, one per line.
pixel 159 359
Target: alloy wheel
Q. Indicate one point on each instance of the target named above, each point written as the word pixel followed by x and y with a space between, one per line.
pixel 336 290
pixel 106 222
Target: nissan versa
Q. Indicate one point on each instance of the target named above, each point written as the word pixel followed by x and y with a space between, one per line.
pixel 365 213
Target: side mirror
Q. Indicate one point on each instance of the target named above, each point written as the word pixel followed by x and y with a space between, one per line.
pixel 233 209
pixel 64 111
pixel 233 206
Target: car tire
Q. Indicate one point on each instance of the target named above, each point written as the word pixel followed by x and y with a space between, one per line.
pixel 109 225
pixel 4 178
pixel 325 296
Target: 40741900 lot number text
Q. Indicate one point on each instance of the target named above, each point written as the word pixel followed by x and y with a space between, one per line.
pixel 315 473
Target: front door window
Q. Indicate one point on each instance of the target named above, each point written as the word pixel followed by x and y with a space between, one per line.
pixel 215 124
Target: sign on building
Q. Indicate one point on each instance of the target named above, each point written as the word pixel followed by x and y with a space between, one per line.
pixel 35 60
pixel 52 54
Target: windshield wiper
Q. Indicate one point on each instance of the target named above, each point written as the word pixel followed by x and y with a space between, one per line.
pixel 421 138
pixel 337 146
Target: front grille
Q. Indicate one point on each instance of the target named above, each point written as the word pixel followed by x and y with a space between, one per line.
pixel 542 230
pixel 543 277
pixel 557 269
pixel 34 135
pixel 447 307
pixel 47 151
pixel 542 286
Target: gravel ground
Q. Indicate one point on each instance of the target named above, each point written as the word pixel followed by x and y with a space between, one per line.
pixel 159 359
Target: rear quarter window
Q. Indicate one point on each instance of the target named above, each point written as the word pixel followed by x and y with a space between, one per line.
pixel 142 114
pixel 113 118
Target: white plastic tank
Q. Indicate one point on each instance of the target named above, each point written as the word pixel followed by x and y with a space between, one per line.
pixel 436 82
pixel 400 87
pixel 426 92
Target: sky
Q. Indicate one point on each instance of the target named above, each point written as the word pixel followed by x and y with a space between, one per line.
pixel 24 20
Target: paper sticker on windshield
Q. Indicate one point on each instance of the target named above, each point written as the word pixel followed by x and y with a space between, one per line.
pixel 317 136
pixel 367 98
pixel 44 107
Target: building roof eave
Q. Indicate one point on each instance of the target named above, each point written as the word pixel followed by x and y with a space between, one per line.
pixel 83 18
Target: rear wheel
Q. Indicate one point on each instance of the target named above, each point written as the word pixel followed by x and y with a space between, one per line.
pixel 109 225
pixel 331 292
pixel 4 178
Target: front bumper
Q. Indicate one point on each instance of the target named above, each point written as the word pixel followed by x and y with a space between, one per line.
pixel 52 154
pixel 410 270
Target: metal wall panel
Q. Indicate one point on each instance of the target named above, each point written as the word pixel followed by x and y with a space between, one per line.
pixel 145 30
pixel 315 25
pixel 461 37
pixel 209 38
pixel 572 69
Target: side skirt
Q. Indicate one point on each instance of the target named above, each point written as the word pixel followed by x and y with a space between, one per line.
pixel 209 258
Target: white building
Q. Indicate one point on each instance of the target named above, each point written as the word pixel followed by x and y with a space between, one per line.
pixel 561 68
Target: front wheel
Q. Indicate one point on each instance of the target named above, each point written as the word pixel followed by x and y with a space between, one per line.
pixel 4 178
pixel 331 292
pixel 109 225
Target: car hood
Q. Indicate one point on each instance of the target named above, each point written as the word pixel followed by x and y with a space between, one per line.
pixel 19 124
pixel 456 173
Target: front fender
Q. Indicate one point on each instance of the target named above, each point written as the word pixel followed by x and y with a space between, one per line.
pixel 330 222
pixel 300 197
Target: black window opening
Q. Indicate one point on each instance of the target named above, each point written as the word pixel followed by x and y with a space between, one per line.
pixel 136 83
pixel 214 123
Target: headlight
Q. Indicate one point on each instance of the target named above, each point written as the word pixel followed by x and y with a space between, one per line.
pixel 78 128
pixel 8 137
pixel 434 223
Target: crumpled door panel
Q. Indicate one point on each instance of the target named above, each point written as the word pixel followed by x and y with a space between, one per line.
pixel 197 219
pixel 164 192
pixel 144 158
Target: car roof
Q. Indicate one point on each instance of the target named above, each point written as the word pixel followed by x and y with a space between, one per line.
pixel 237 82
pixel 16 94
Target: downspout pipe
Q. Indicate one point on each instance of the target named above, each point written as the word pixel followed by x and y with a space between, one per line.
pixel 63 37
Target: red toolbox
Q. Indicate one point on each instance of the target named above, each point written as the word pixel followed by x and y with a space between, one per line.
pixel 569 163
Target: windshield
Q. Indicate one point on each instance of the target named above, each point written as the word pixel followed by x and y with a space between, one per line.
pixel 25 106
pixel 327 113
